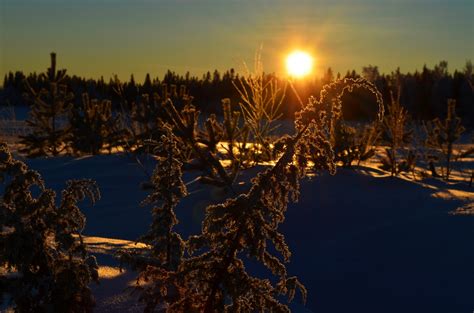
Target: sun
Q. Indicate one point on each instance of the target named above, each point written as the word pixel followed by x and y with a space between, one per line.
pixel 299 63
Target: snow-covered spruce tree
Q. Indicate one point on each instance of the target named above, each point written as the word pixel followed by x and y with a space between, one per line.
pixel 93 126
pixel 41 242
pixel 213 277
pixel 442 134
pixel 165 246
pixel 397 135
pixel 49 110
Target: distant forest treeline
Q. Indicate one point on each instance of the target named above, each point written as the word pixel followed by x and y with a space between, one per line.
pixel 424 93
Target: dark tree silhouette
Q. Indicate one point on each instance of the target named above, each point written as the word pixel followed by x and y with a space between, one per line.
pixel 48 114
pixel 42 242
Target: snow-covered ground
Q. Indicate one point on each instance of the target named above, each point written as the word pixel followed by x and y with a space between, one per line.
pixel 362 241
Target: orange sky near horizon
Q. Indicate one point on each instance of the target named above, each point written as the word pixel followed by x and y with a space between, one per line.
pixel 107 37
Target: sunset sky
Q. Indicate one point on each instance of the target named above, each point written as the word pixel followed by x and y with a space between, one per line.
pixel 106 37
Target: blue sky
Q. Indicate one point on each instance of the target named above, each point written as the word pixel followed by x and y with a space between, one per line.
pixel 106 37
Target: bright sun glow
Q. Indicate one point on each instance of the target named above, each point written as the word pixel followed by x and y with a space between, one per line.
pixel 299 63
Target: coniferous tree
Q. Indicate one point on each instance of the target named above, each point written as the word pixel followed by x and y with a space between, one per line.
pixel 165 246
pixel 93 126
pixel 185 127
pixel 147 87
pixel 328 77
pixel 442 134
pixel 141 119
pixel 229 136
pixel 397 135
pixel 42 242
pixel 50 108
pixel 168 189
pixel 199 144
pixel 146 120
